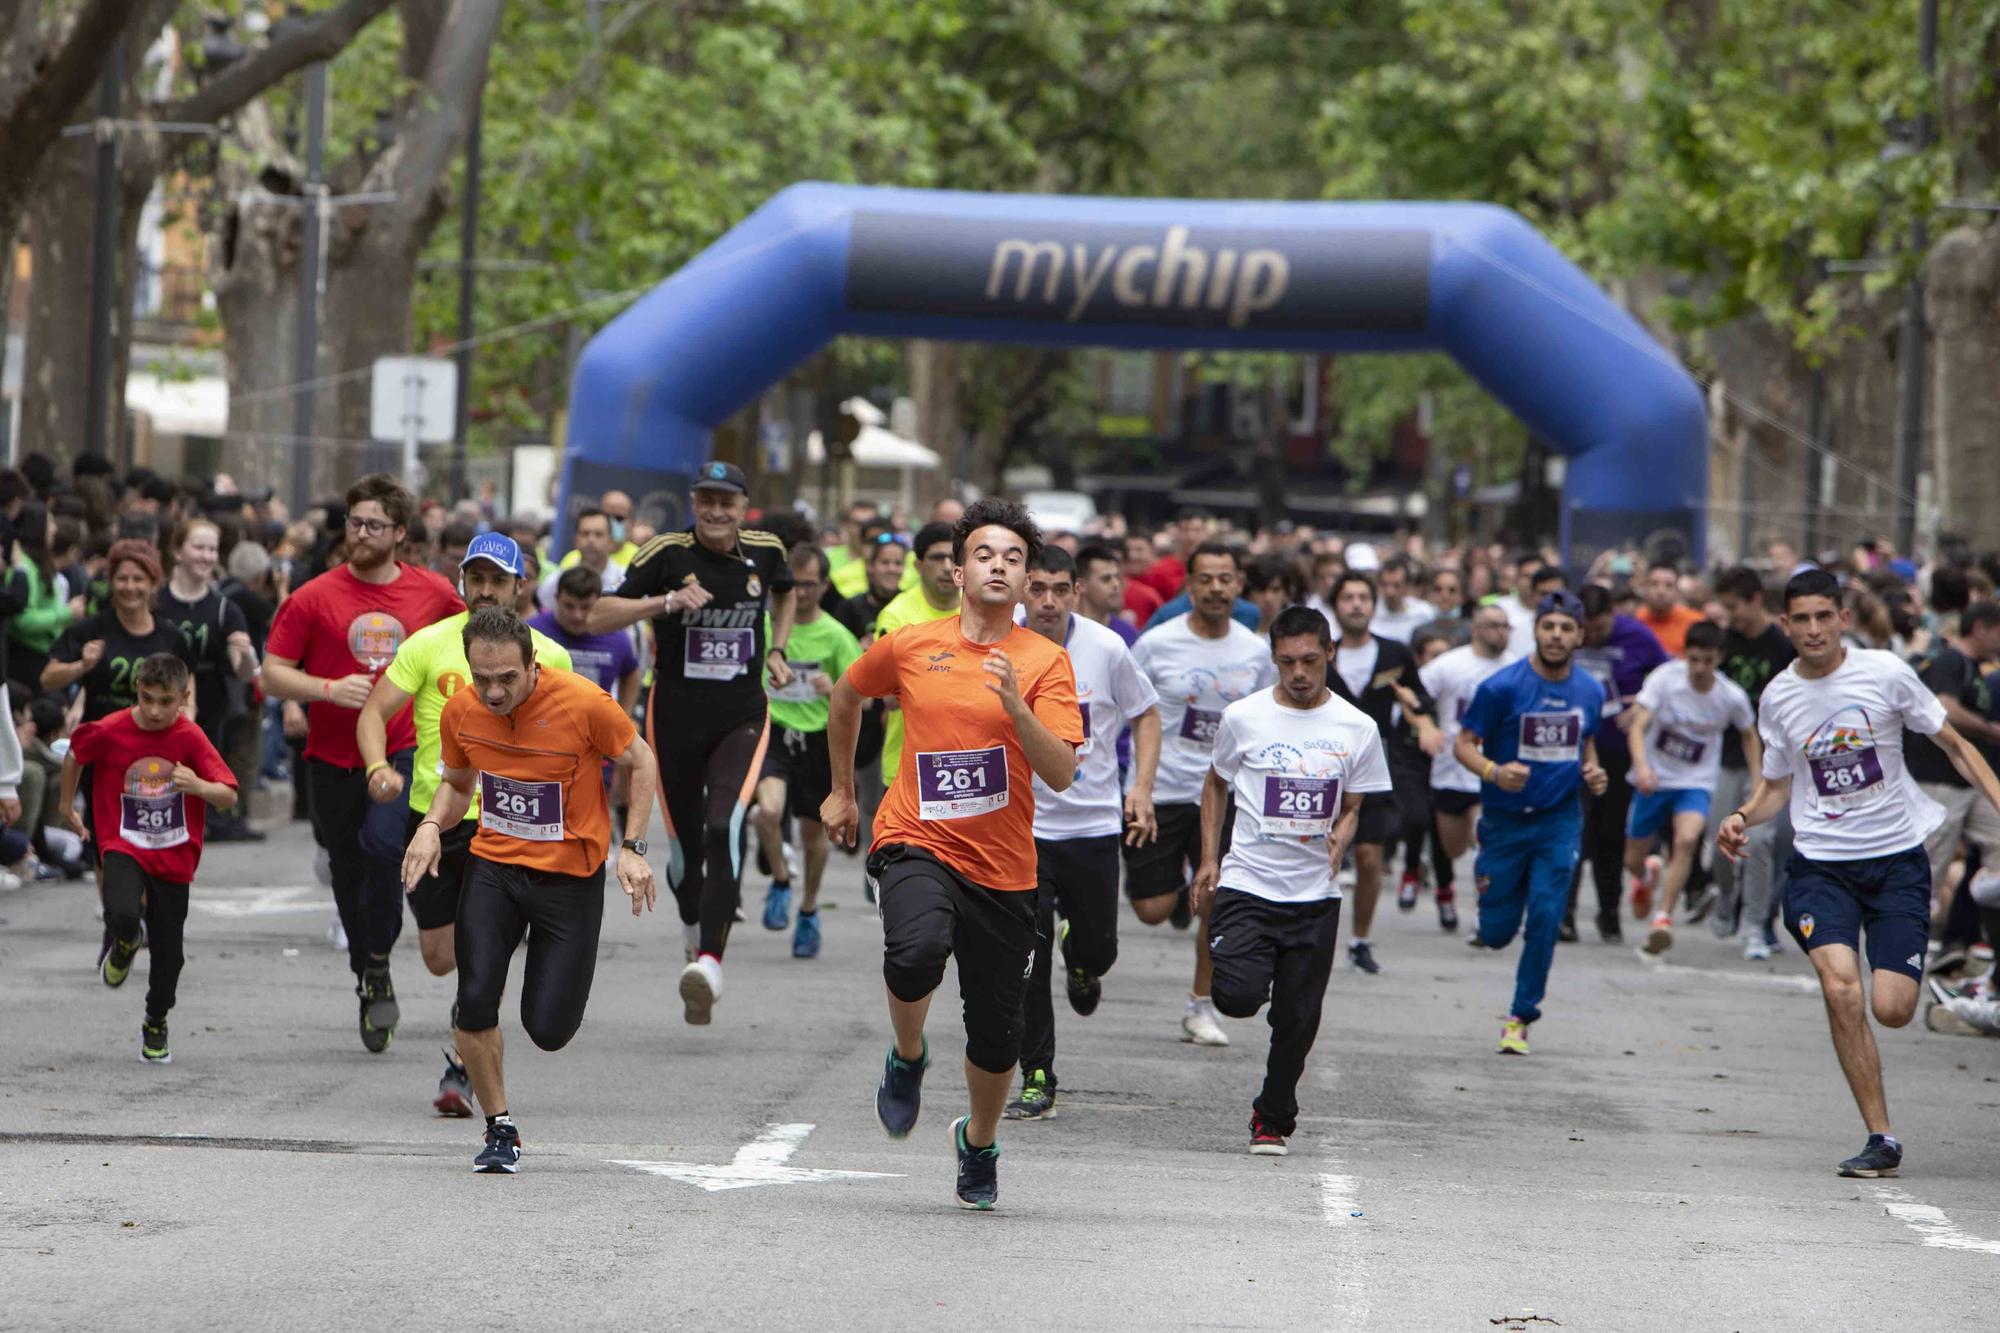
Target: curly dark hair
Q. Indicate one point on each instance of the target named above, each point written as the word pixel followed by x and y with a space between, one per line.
pixel 990 513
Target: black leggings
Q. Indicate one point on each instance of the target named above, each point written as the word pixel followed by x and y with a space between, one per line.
pixel 1281 952
pixel 1604 840
pixel 707 776
pixel 364 849
pixel 1079 876
pixel 130 894
pixel 560 915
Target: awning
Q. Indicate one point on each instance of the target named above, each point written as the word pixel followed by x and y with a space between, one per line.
pixel 199 406
pixel 876 447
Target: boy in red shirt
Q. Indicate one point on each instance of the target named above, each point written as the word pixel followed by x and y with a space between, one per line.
pixel 153 777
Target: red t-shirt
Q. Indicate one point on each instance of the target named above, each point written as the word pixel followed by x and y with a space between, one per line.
pixel 1166 577
pixel 133 803
pixel 1142 601
pixel 337 625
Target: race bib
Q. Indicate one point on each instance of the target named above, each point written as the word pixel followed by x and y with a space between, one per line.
pixel 801 690
pixel 531 811
pixel 717 654
pixel 1199 724
pixel 1299 807
pixel 153 822
pixel 1847 779
pixel 958 784
pixel 1673 745
pixel 1551 738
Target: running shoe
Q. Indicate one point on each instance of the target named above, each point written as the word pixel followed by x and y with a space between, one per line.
pixel 1566 932
pixel 1406 892
pixel 336 935
pixel 1037 1100
pixel 117 963
pixel 454 1097
pixel 1727 917
pixel 691 942
pixel 153 1042
pixel 899 1097
pixel 1755 949
pixel 1661 937
pixel 1265 1141
pixel 1950 959
pixel 805 936
pixel 1361 957
pixel 701 987
pixel 1608 931
pixel 1447 900
pixel 1882 1157
pixel 1183 914
pixel 1643 885
pixel 502 1154
pixel 1513 1037
pixel 1201 1026
pixel 1703 902
pixel 777 906
pixel 978 1170
pixel 379 1011
pixel 1084 989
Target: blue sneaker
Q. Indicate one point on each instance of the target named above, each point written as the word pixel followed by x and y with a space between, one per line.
pixel 1882 1157
pixel 978 1170
pixel 502 1154
pixel 805 938
pixel 778 907
pixel 900 1096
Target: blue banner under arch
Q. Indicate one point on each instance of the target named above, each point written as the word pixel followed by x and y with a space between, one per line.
pixel 1473 280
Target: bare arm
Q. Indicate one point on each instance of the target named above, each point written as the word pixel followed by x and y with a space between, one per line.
pixel 371 728
pixel 838 813
pixel 615 613
pixel 72 772
pixel 284 680
pixel 1753 749
pixel 628 690
pixel 1141 821
pixel 61 675
pixel 1465 749
pixel 644 771
pixel 1971 764
pixel 1966 722
pixel 1342 835
pixel 1214 805
pixel 448 806
pixel 1769 796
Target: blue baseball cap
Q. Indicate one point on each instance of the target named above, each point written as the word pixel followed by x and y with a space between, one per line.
pixel 720 476
pixel 1561 602
pixel 497 547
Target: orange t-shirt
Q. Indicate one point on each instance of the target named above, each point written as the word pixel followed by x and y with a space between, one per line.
pixel 1670 629
pixel 964 791
pixel 540 771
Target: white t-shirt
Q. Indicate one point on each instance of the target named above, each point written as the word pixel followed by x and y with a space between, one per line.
pixel 608 581
pixel 1451 679
pixel 1196 679
pixel 1111 691
pixel 1400 625
pixel 1288 768
pixel 1520 628
pixel 1356 665
pixel 1684 738
pixel 1840 740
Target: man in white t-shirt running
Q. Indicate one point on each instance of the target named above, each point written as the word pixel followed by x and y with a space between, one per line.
pixel 1078 830
pixel 1199 664
pixel 1297 758
pixel 1832 724
pixel 1678 721
pixel 1451 679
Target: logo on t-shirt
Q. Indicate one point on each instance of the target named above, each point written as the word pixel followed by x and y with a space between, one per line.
pixel 1842 764
pixel 373 637
pixel 449 683
pixel 151 776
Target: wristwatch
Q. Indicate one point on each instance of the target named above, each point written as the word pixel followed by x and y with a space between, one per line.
pixel 636 845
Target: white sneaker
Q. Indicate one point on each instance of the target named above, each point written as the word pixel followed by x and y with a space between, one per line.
pixel 9 881
pixel 1201 1025
pixel 701 987
pixel 1755 950
pixel 336 935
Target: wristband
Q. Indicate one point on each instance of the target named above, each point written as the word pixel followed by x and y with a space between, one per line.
pixel 376 767
pixel 326 690
pixel 1734 813
pixel 433 823
pixel 1491 769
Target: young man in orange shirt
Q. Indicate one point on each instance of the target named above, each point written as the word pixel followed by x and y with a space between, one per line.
pixel 1661 609
pixel 988 706
pixel 536 738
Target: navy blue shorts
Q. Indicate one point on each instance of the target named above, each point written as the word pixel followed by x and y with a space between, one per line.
pixel 1830 902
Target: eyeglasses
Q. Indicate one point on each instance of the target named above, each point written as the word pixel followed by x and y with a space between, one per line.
pixel 374 527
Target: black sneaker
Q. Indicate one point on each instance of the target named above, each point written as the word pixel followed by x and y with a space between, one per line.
pixel 1265 1141
pixel 1704 902
pixel 978 1170
pixel 1183 913
pixel 1361 958
pixel 502 1154
pixel 1406 893
pixel 1882 1157
pixel 1609 931
pixel 379 1012
pixel 1037 1100
pixel 1447 901
pixel 116 964
pixel 899 1098
pixel 1084 989
pixel 153 1043
pixel 1566 932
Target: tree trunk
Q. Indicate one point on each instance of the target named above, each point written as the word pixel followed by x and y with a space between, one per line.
pixel 1965 346
pixel 254 273
pixel 932 368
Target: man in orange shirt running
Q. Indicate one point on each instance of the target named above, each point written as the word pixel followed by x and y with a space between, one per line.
pixel 1661 609
pixel 536 738
pixel 987 706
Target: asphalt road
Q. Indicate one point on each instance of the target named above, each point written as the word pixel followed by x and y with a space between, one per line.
pixel 1663 1160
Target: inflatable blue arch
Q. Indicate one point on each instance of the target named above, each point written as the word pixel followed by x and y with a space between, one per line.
pixel 1473 280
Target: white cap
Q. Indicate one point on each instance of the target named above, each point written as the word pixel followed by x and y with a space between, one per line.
pixel 1361 557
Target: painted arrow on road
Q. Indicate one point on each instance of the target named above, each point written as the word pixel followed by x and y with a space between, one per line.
pixel 759 1162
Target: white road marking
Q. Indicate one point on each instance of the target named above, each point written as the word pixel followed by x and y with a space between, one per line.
pixel 759 1162
pixel 1930 1223
pixel 276 900
pixel 1339 1201
pixel 1768 980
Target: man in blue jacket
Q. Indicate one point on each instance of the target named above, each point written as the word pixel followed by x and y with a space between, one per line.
pixel 1530 736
